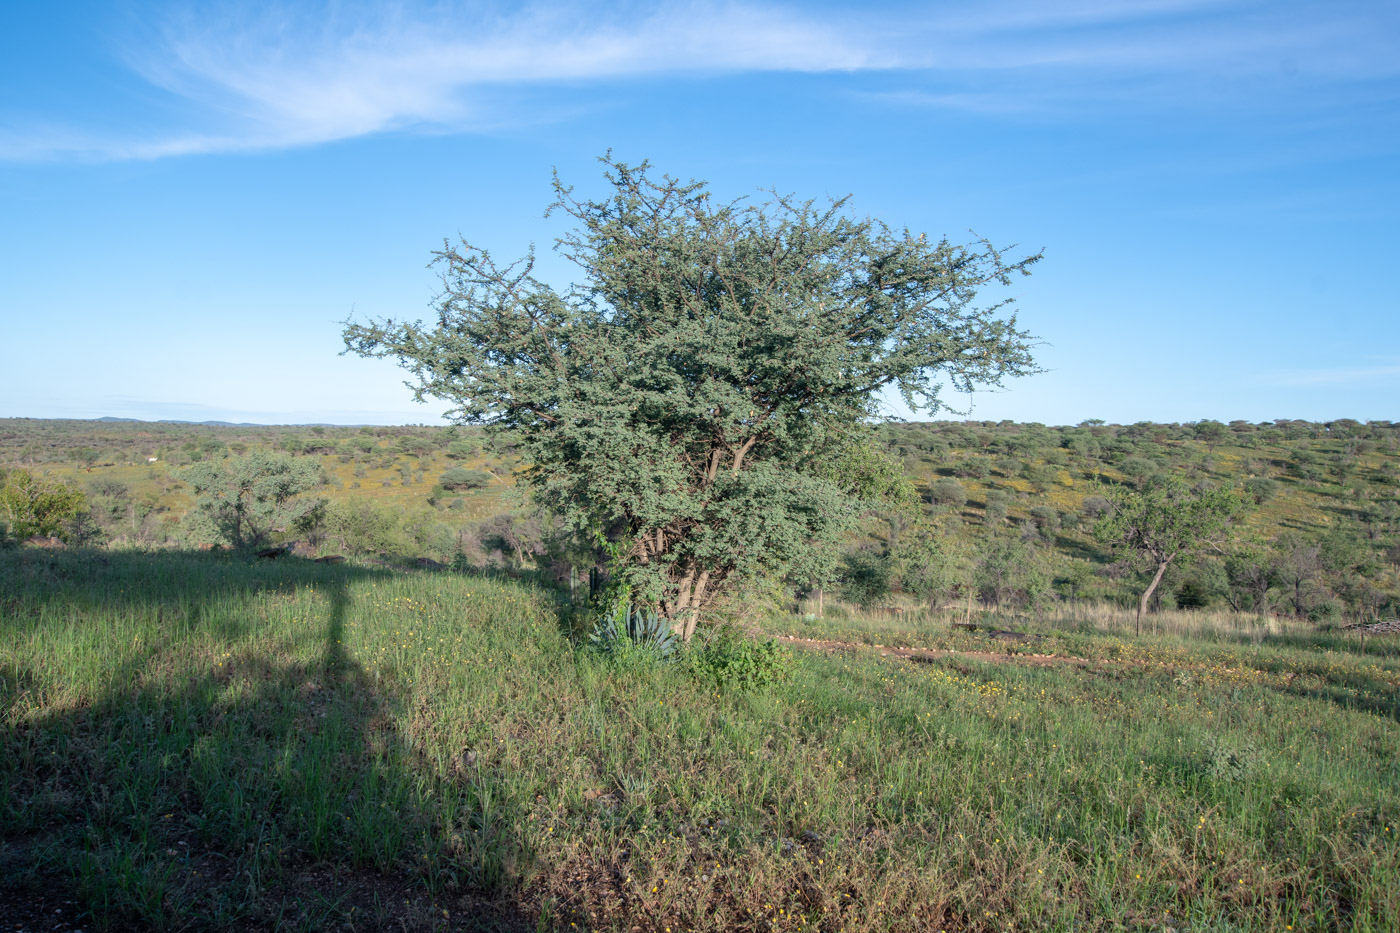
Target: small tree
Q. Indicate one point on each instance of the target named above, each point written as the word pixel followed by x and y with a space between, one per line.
pixel 1212 433
pixel 1163 523
pixel 681 403
pixel 932 566
pixel 33 505
pixel 246 498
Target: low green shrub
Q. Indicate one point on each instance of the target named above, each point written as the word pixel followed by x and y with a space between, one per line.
pixel 733 661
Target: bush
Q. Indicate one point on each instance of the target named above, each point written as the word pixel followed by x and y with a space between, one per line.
pixel 462 478
pixel 1096 506
pixel 1046 518
pixel 361 527
pixel 1261 489
pixel 731 661
pixel 32 505
pixel 973 468
pixel 462 450
pixel 995 507
pixel 866 577
pixel 948 491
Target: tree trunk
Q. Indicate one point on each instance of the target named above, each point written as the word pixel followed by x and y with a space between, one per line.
pixel 1147 594
pixel 690 594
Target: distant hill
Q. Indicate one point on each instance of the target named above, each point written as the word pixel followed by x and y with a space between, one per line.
pixel 108 419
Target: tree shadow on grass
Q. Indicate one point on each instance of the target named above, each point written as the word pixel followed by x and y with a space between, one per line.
pixel 169 759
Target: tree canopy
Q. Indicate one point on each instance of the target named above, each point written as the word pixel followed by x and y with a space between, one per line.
pixel 1164 522
pixel 31 505
pixel 685 402
pixel 247 498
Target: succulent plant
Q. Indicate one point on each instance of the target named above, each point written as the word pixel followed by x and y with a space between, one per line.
pixel 641 627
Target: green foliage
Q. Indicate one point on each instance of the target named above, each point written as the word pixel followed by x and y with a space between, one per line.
pixel 361 527
pixel 733 661
pixel 32 505
pixel 1167 521
pixel 931 564
pixel 463 450
pixel 948 492
pixel 1230 761
pixel 632 629
pixel 685 397
pixel 247 498
pixel 462 478
pixel 1012 574
pixel 866 576
pixel 1261 489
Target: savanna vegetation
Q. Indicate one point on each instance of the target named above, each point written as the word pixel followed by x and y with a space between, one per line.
pixel 671 633
pixel 1004 512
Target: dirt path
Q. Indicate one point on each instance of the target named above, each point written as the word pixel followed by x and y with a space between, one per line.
pixel 929 654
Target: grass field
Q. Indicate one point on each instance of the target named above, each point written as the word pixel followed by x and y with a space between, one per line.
pixel 193 741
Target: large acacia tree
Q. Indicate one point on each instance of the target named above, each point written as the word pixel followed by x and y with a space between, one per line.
pixel 690 401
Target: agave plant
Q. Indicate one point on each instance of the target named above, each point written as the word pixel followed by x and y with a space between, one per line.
pixel 640 627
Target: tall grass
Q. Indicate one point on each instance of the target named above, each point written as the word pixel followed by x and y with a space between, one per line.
pixel 193 742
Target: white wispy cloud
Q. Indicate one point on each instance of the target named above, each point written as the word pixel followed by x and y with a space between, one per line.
pixel 248 78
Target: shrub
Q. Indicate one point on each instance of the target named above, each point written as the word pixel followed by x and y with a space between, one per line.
pixel 247 498
pixel 1096 506
pixel 462 450
pixel 462 478
pixel 948 491
pixel 866 577
pixel 1046 518
pixel 995 507
pixel 1261 489
pixel 973 467
pixel 361 527
pixel 37 506
pixel 732 661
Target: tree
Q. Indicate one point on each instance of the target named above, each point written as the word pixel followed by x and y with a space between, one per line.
pixel 1212 433
pixel 1299 565
pixel 1250 575
pixel 247 498
pixel 680 402
pixel 33 505
pixel 932 566
pixel 1166 521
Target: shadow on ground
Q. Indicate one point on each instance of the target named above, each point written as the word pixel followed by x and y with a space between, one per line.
pixel 208 776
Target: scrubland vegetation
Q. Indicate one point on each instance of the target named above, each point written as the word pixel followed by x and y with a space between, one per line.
pixel 1016 503
pixel 196 740
pixel 685 640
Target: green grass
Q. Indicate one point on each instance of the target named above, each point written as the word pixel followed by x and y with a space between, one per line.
pixel 191 741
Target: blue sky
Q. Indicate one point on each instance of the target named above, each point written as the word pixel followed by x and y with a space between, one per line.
pixel 192 196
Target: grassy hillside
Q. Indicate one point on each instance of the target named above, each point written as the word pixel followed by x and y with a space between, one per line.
pixel 195 741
